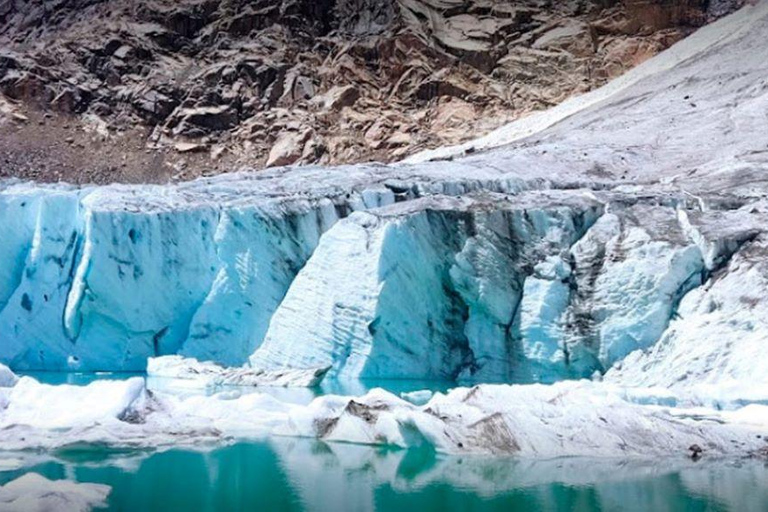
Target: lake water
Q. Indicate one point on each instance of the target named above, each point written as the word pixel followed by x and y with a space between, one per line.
pixel 284 474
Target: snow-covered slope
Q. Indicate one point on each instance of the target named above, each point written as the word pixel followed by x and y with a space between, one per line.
pixel 718 37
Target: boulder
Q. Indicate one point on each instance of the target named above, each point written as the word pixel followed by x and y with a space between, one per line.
pixel 339 97
pixel 288 148
pixel 192 120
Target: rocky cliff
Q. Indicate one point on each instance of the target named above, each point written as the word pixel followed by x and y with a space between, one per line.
pixel 146 91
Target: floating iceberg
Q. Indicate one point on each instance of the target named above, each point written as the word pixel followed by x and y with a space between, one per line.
pixel 571 418
pixel 209 375
pixel 35 492
pixel 7 377
pixel 419 397
pixel 560 420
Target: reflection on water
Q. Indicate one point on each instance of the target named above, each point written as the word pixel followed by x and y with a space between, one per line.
pixel 295 474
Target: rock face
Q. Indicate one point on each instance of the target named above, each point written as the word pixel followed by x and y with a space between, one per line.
pixel 132 85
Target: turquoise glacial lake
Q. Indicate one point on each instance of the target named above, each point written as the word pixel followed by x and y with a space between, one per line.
pixel 283 474
pixel 288 474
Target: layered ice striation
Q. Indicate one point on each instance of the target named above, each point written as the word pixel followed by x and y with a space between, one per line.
pixel 103 278
pixel 429 288
pixel 491 279
pixel 534 287
pixel 713 347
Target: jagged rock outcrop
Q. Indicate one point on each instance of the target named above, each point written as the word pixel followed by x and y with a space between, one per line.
pixel 98 91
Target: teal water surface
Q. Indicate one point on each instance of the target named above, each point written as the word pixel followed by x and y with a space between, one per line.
pixel 302 475
pixel 286 474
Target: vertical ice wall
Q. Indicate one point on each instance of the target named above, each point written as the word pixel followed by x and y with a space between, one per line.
pixel 535 287
pixel 18 209
pixel 260 249
pixel 43 242
pixel 428 289
pixel 102 279
pixel 538 286
pixel 630 271
pixel 715 343
pixel 140 278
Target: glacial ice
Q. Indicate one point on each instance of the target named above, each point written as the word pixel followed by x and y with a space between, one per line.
pixel 211 375
pixel 570 418
pixel 103 278
pixel 429 288
pixel 419 397
pixel 33 492
pixel 516 286
pixel 7 377
pixel 50 407
pixel 714 348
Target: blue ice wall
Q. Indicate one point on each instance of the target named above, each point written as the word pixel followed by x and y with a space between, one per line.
pixel 508 286
pixel 102 279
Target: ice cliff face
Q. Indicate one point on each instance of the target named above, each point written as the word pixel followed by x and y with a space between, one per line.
pixel 532 262
pixel 534 287
pixel 103 278
pixel 429 288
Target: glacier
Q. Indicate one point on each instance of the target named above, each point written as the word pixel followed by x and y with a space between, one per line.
pixel 616 252
pixel 103 278
pixel 226 269
pixel 429 288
